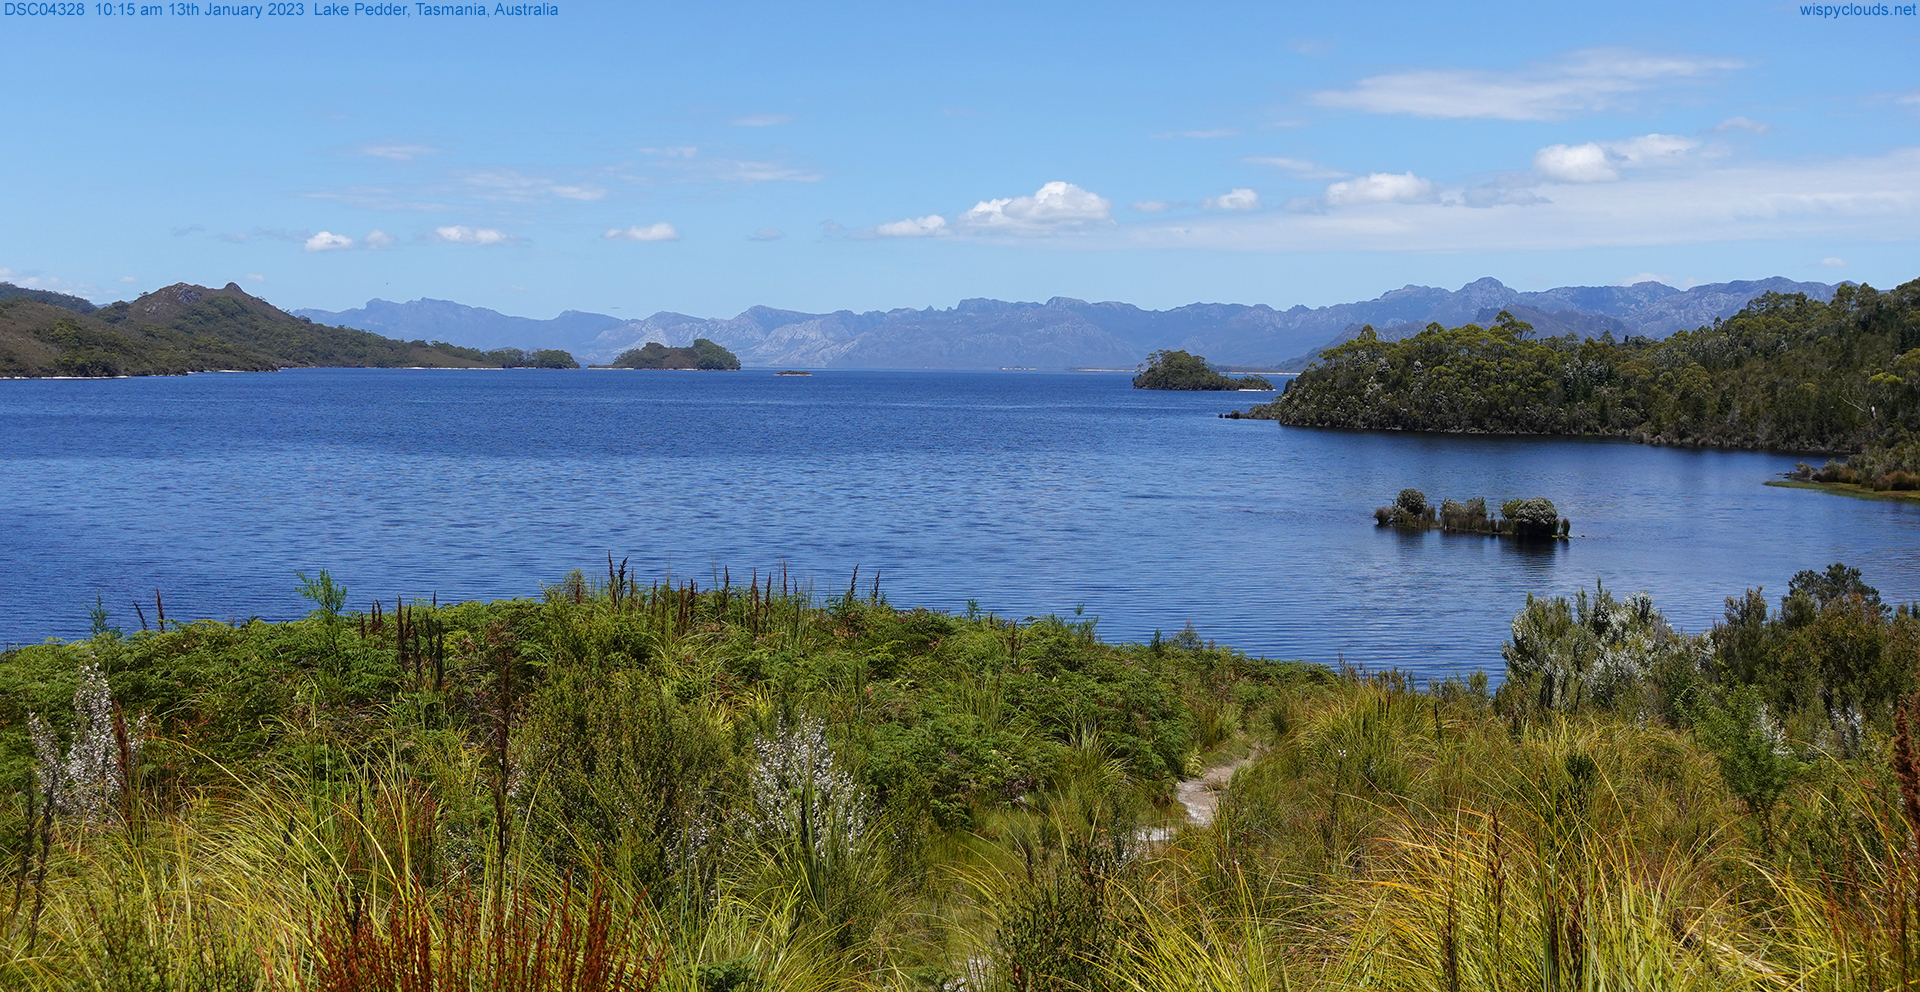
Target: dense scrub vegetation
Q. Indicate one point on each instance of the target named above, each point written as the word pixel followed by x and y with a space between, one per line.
pixel 1879 467
pixel 746 788
pixel 1169 369
pixel 183 329
pixel 1522 518
pixel 702 354
pixel 1785 373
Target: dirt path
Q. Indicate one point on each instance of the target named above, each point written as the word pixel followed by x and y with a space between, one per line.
pixel 1201 796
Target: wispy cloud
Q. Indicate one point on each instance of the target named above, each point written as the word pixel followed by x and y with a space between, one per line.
pixel 513 186
pixel 377 238
pixel 1239 198
pixel 397 151
pixel 762 120
pixel 1580 82
pixel 685 164
pixel 1153 206
pixel 767 234
pixel 33 280
pixel 930 226
pixel 126 279
pixel 1742 124
pixel 1202 135
pixel 658 231
pixel 1702 201
pixel 460 234
pixel 1833 263
pixel 1300 167
pixel 385 197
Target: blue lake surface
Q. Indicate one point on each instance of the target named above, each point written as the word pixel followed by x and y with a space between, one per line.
pixel 1029 492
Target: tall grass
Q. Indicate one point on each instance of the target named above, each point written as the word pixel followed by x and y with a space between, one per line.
pixel 741 788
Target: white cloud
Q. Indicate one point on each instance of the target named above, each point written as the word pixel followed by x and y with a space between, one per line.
pixel 127 279
pixel 1908 100
pixel 761 120
pixel 1650 149
pixel 1638 278
pixel 398 152
pixel 1056 206
pixel 513 186
pixel 767 234
pixel 328 241
pixel 1152 206
pixel 1239 198
pixel 930 226
pixel 1577 83
pixel 1380 187
pixel 1300 167
pixel 1834 263
pixel 1601 162
pixel 1742 124
pixel 660 231
pixel 377 238
pixel 458 234
pixel 1575 163
pixel 1705 201
pixel 675 151
pixel 256 277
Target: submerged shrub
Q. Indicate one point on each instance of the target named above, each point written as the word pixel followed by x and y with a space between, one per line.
pixel 1536 517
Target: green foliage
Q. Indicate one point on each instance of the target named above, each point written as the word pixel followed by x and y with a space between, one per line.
pixel 1754 757
pixel 733 789
pixel 702 354
pixel 545 358
pixel 1786 372
pixel 324 593
pixel 1524 518
pixel 1170 369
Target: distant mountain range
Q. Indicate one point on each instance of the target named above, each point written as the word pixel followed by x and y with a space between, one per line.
pixel 1068 333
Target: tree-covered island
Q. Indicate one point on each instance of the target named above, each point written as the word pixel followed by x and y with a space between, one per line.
pixel 1786 373
pixel 1168 369
pixel 702 355
pixel 1527 519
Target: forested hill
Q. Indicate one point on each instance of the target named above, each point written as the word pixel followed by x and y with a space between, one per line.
pixel 1787 372
pixel 185 328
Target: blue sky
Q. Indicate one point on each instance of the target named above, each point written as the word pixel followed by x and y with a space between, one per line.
pixel 702 158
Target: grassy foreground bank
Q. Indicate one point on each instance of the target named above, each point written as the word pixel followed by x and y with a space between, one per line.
pixel 619 786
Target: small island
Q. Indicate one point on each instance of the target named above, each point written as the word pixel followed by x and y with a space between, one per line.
pixel 702 355
pixel 792 372
pixel 1167 369
pixel 1535 518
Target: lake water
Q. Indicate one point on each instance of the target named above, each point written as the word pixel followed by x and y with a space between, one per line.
pixel 1032 493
